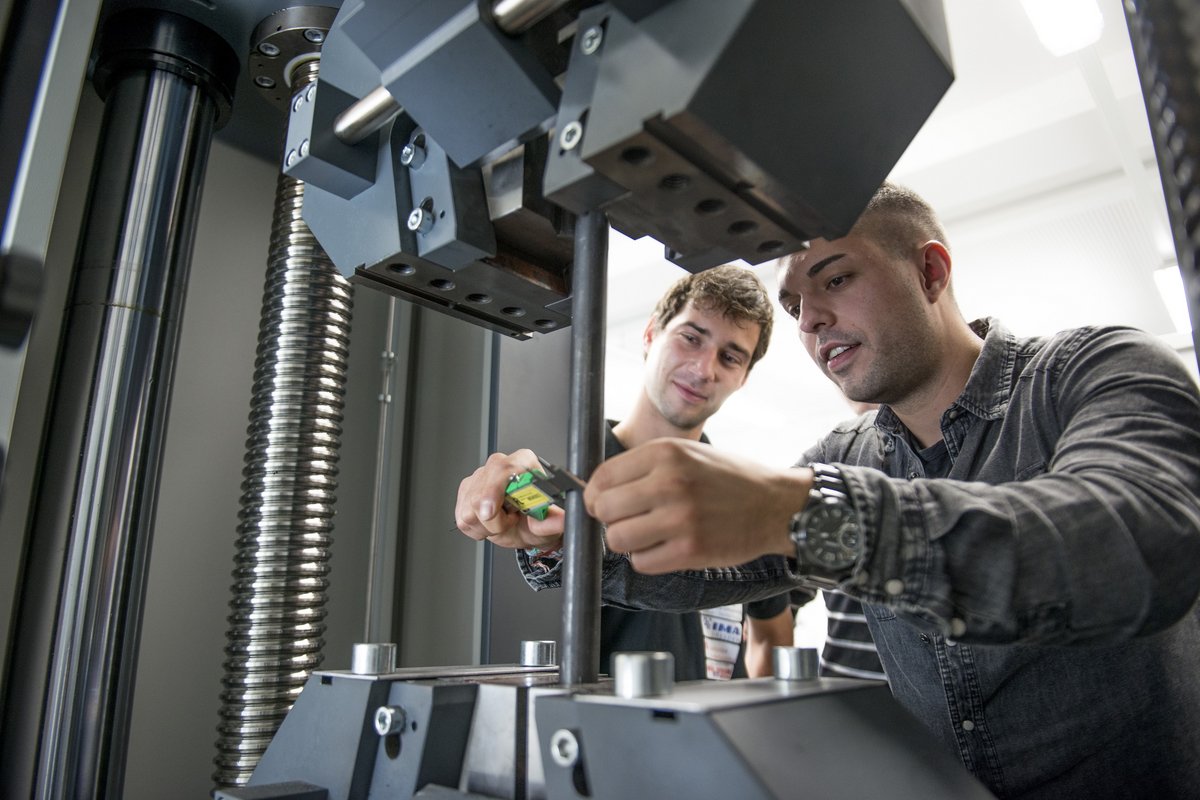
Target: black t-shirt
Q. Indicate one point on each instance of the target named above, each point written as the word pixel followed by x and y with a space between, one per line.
pixel 681 635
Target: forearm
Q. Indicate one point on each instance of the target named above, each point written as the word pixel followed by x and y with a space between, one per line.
pixel 1095 540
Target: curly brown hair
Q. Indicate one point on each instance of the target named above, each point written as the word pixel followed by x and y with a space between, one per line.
pixel 734 291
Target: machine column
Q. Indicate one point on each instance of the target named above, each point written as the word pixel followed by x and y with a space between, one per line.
pixel 168 84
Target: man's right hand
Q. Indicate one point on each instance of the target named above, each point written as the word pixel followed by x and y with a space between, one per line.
pixel 480 511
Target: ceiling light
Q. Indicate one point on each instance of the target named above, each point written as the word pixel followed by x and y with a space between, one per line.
pixel 1170 288
pixel 1064 26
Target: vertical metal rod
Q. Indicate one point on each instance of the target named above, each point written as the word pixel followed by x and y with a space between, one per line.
pixel 377 625
pixel 69 698
pixel 583 548
pixel 1166 46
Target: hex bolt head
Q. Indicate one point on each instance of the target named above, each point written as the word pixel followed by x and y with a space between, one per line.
pixel 572 134
pixel 589 43
pixel 412 156
pixel 389 720
pixel 420 220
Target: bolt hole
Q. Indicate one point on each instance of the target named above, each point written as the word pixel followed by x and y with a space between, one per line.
pixel 770 246
pixel 710 205
pixel 391 745
pixel 545 324
pixel 442 284
pixel 675 183
pixel 413 725
pixel 742 227
pixel 637 156
pixel 441 214
pixel 402 269
pixel 513 311
pixel 476 297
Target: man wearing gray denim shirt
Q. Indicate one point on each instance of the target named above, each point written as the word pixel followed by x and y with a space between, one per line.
pixel 1030 549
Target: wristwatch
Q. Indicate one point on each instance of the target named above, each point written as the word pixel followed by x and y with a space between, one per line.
pixel 826 532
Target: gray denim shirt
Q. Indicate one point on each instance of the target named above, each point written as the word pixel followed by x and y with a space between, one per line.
pixel 1034 607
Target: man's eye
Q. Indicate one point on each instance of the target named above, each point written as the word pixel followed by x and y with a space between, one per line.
pixel 793 310
pixel 837 281
pixel 732 360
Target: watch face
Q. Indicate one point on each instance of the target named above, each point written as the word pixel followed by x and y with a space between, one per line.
pixel 831 537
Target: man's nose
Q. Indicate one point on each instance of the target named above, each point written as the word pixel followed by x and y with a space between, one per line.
pixel 813 317
pixel 704 365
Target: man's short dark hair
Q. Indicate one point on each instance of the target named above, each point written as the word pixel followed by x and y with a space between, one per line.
pixel 899 219
pixel 734 291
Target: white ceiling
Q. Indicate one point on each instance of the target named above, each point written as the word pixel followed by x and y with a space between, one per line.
pixel 1044 174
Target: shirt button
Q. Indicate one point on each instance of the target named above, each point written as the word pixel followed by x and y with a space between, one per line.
pixel 894 587
pixel 912 476
pixel 924 638
pixel 968 725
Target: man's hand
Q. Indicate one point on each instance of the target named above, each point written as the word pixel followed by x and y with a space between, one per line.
pixel 481 514
pixel 676 504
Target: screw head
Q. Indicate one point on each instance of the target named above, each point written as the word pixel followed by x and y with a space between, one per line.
pixel 564 748
pixel 420 220
pixel 296 103
pixel 304 148
pixel 265 82
pixel 389 720
pixel 291 158
pixel 315 35
pixel 412 156
pixel 268 49
pixel 310 92
pixel 589 43
pixel 572 134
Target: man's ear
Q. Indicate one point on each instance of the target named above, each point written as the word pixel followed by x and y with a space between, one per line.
pixel 935 269
pixel 648 337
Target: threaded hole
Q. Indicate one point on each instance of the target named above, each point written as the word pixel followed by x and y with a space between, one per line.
pixel 710 205
pixel 742 227
pixel 636 156
pixel 675 182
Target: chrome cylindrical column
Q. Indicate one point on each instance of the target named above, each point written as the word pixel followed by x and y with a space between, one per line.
pixel 277 614
pixel 166 81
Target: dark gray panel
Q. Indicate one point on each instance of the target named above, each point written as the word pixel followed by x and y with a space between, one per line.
pixel 531 411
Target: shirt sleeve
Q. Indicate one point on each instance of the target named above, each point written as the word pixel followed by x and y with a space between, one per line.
pixel 1097 541
pixel 769 607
